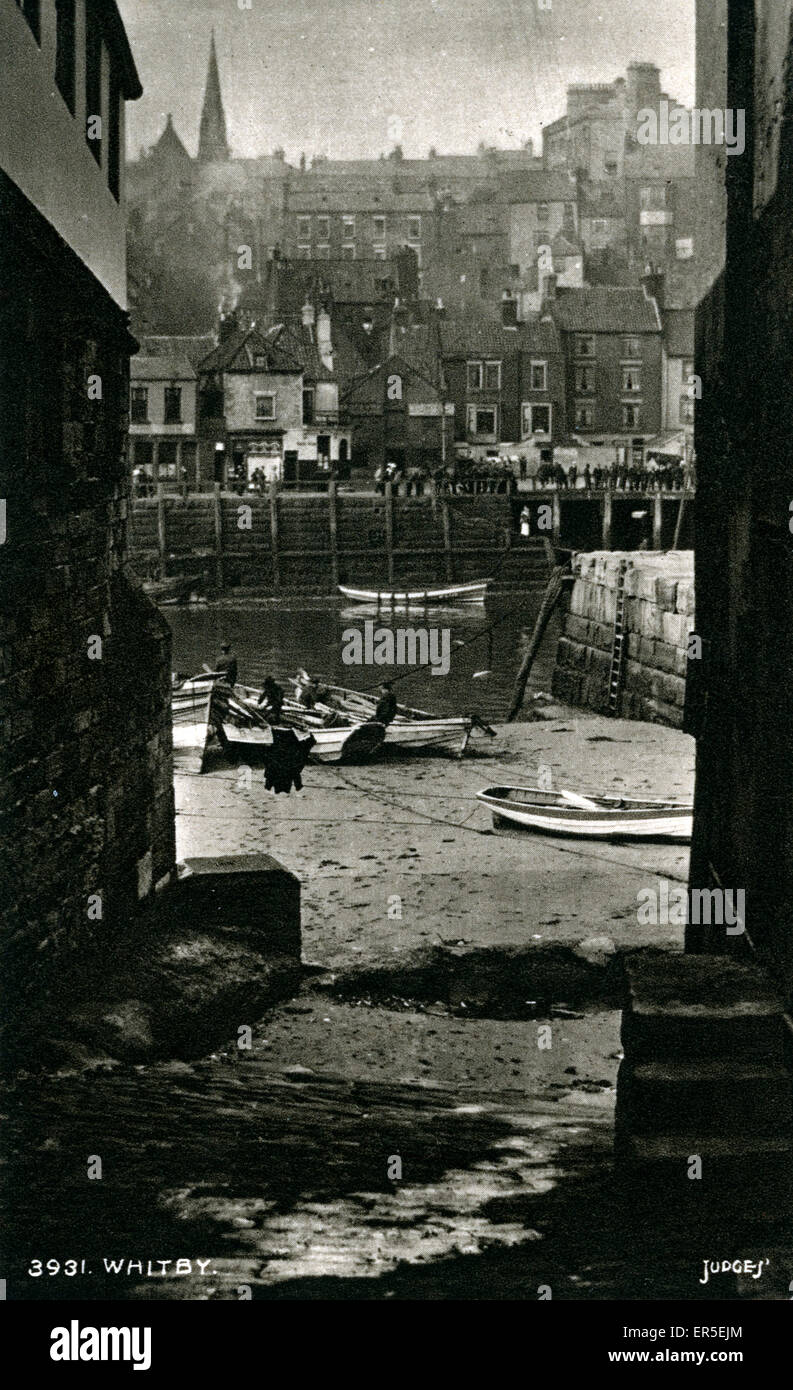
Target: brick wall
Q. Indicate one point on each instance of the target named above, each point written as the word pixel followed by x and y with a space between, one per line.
pixel 85 784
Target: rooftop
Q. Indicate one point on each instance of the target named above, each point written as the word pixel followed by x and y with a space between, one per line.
pixel 605 309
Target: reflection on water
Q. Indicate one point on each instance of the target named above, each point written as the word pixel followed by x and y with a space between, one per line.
pixel 277 640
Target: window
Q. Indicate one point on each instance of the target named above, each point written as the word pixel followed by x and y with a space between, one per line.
pixel 31 9
pixel 348 226
pixel 93 80
pixel 482 420
pixel 686 411
pixel 348 251
pixel 323 253
pixel 378 227
pixel 114 135
pixel 166 460
pixel 631 416
pixel 304 228
pixel 379 253
pixel 308 405
pixel 611 168
pixel 416 249
pixel 631 378
pixel 265 405
pixel 543 213
pixel 585 381
pixel 653 197
pixel 539 376
pixel 414 229
pixel 323 228
pixel 64 50
pixel 631 347
pixel 260 362
pixel 585 345
pixel 584 417
pixel 688 372
pixel 304 251
pixel 492 376
pixel 173 405
pixel 569 215
pixel 474 376
pixel 536 419
pixel 684 248
pixel 139 405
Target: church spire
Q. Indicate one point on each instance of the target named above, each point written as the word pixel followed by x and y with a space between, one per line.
pixel 212 142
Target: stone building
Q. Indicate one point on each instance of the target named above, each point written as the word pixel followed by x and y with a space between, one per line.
pixel 611 338
pixel 269 403
pixel 162 429
pixel 88 829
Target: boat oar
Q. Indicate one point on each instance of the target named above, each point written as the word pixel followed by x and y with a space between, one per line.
pixel 582 802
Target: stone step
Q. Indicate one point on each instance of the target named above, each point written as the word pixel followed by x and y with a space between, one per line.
pixel 709 1096
pixel 697 1006
pixel 745 1176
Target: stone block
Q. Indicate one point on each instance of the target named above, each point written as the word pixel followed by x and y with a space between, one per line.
pixel 709 1094
pixel 675 628
pixel 252 893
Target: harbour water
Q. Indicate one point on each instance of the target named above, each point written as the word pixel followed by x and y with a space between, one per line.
pixel 278 639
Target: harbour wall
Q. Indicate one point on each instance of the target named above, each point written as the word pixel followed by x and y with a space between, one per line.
pixel 309 543
pixel 649 667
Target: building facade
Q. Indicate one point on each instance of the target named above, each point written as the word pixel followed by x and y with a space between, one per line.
pixel 86 785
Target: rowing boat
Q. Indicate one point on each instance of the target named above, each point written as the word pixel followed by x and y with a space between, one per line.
pixel 193 713
pixel 408 598
pixel 176 590
pixel 410 728
pixel 347 743
pixel 589 817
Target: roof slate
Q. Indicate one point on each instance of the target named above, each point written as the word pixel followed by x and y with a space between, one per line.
pixel 605 309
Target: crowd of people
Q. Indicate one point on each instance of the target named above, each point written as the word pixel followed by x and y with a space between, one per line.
pixel 652 476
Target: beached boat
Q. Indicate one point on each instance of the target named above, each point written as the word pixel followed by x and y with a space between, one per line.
pixel 410 728
pixel 419 598
pixel 244 730
pixel 194 710
pixel 589 817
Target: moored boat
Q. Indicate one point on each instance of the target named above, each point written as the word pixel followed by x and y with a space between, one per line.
pixel 589 816
pixel 176 590
pixel 475 592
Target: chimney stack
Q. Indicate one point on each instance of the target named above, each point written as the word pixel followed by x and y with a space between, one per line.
pixel 324 343
pixel 308 314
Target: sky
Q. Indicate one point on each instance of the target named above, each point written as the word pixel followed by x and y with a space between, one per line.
pixel 351 78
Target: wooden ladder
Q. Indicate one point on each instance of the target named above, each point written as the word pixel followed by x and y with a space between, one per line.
pixel 618 643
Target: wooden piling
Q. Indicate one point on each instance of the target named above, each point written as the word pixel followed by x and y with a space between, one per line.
pixel 447 539
pixel 217 509
pixel 550 599
pixel 389 532
pixel 274 536
pixel 334 542
pixel 606 520
pixel 658 519
pixel 162 544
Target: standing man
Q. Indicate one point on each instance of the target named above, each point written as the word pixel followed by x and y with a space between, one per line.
pixel 386 705
pixel 226 664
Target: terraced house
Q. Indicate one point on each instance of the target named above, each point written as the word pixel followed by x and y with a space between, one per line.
pixel 269 403
pixel 507 384
pixel 611 339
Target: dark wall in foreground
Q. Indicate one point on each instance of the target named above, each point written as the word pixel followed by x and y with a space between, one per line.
pixel 740 701
pixel 86 801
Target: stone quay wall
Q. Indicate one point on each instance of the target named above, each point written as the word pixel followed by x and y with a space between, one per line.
pixel 86 797
pixel 658 617
pixel 308 543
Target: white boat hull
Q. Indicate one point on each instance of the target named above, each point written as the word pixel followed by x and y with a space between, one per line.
pixel 395 598
pixel 330 745
pixel 623 819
